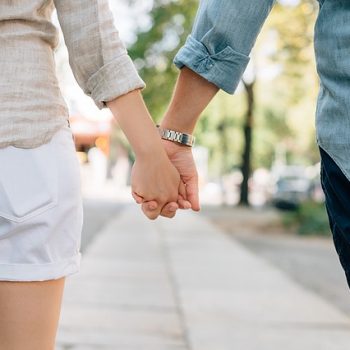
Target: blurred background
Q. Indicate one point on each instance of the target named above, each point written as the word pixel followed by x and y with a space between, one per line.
pixel 255 148
pixel 256 151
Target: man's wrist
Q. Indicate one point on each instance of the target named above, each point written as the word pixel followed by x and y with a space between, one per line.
pixel 173 123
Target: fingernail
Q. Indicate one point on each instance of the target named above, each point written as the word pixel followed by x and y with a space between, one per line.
pixel 172 208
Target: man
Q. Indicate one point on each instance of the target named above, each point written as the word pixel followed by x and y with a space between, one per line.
pixel 215 57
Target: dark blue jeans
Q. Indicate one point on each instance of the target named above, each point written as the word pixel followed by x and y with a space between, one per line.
pixel 336 187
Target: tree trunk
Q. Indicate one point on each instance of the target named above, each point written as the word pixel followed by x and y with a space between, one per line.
pixel 222 128
pixel 247 151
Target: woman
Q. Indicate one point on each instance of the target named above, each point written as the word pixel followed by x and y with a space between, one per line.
pixel 40 199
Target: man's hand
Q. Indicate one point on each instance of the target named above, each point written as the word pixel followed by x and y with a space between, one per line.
pixel 182 158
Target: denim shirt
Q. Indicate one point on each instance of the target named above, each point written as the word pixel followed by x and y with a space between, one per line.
pixel 222 38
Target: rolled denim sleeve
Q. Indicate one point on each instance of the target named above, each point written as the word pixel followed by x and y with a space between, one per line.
pixel 97 56
pixel 222 38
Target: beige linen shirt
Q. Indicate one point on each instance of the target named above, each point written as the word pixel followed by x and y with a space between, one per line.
pixel 32 108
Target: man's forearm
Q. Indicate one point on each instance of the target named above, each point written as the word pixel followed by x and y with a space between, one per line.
pixel 214 56
pixel 191 96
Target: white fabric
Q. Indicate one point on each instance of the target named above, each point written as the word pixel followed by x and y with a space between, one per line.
pixel 40 210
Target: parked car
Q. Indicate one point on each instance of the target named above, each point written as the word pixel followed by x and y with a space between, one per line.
pixel 292 187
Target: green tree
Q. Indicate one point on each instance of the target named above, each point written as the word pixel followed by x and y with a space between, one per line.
pixel 294 91
pixel 155 49
pixel 248 135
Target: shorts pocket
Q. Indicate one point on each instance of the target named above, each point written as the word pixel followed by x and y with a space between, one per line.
pixel 28 182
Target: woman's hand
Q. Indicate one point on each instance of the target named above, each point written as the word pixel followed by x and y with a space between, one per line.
pixel 156 184
pixel 181 157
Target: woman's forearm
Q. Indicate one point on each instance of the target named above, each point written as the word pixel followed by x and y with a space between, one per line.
pixel 155 182
pixel 133 117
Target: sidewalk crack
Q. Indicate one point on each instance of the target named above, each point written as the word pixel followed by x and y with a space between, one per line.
pixel 174 286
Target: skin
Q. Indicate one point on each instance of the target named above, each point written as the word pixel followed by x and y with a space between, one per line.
pixel 191 96
pixel 29 314
pixel 154 178
pixel 30 311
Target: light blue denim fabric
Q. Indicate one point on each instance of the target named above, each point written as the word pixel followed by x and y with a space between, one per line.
pixel 224 33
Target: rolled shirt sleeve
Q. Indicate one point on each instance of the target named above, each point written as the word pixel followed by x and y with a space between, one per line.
pixel 222 38
pixel 97 56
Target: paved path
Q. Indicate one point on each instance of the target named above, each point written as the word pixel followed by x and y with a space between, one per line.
pixel 184 285
pixel 311 261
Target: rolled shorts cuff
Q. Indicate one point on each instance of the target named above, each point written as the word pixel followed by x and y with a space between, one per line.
pixel 40 272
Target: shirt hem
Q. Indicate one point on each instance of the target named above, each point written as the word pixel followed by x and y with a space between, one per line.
pixel 30 143
pixel 340 146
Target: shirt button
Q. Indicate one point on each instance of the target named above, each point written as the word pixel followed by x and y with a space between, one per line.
pixel 209 65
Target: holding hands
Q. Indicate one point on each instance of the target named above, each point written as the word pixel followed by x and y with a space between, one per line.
pixel 182 163
pixel 156 184
pixel 191 95
pixel 164 176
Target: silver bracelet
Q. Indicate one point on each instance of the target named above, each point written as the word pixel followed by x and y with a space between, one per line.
pixel 176 136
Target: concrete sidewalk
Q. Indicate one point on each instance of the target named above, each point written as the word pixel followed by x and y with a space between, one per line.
pixel 182 284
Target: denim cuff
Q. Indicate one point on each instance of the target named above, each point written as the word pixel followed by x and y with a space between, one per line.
pixel 224 68
pixel 114 79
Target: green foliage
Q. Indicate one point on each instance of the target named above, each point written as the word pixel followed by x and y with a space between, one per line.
pixel 271 128
pixel 155 49
pixel 286 103
pixel 219 129
pixel 294 27
pixel 309 219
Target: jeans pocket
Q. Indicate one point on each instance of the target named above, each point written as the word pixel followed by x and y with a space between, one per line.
pixel 28 182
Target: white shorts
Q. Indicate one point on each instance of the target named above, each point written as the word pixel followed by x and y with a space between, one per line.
pixel 41 210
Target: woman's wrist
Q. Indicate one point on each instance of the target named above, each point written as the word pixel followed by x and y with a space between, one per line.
pixel 149 148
